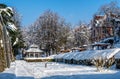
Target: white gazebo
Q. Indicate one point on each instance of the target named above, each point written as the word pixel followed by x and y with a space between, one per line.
pixel 33 51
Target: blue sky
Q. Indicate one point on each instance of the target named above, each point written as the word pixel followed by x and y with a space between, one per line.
pixel 72 10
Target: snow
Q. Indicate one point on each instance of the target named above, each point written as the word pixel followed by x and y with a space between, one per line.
pixel 21 69
pixel 32 70
pixel 118 54
pixel 18 57
pixel 117 45
pixel 11 26
pixel 34 48
pixel 89 54
pixel 60 55
pixel 32 58
pixel 16 41
pixel 9 73
pixel 107 39
pixel 117 19
pixel 50 57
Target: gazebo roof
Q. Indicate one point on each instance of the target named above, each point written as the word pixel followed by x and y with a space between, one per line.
pixel 34 48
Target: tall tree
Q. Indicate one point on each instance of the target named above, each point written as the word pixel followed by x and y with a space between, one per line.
pixel 16 37
pixel 7 25
pixel 81 35
pixel 50 32
pixel 53 31
pixel 112 7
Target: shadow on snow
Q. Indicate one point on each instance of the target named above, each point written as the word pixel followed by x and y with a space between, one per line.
pixel 13 76
pixel 78 76
pixel 85 76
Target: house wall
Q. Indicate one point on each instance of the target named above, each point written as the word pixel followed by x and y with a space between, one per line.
pixel 101 31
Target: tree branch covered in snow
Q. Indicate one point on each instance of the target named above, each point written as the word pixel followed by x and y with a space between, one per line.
pixel 81 35
pixel 50 32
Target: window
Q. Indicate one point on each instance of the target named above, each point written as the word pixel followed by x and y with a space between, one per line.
pixel 36 55
pixel 31 55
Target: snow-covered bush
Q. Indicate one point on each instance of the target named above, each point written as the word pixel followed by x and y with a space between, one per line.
pixel 99 63
pixel 109 62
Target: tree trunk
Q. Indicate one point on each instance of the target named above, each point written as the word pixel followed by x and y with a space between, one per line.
pixel 2 53
pixel 6 46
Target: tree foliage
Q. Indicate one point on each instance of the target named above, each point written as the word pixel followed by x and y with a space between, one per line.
pixel 81 35
pixel 50 32
pixel 112 7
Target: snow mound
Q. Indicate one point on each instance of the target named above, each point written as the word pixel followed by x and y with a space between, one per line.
pixel 89 54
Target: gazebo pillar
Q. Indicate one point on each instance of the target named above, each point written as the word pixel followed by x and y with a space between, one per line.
pixel 34 54
pixel 29 55
pixel 38 54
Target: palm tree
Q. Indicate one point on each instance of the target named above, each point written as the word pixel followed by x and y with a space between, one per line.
pixel 6 25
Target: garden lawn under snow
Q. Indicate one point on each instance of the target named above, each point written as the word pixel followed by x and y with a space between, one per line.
pixel 24 70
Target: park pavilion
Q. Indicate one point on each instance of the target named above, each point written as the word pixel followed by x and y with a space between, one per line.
pixel 33 51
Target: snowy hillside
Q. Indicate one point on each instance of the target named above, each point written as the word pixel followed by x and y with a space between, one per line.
pixel 89 54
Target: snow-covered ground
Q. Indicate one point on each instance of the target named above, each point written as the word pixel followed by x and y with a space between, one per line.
pixel 36 70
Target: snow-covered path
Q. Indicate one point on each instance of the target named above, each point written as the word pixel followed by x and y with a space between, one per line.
pixel 24 70
pixel 21 71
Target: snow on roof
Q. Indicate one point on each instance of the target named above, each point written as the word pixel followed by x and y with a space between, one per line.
pixel 99 43
pixel 72 56
pixel 116 19
pixel 34 45
pixel 60 55
pixel 32 58
pixel 89 54
pixel 68 55
pixel 117 45
pixel 84 55
pixel 118 54
pixel 107 39
pixel 34 48
pixel 107 54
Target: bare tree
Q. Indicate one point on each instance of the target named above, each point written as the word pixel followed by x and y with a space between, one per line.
pixel 109 8
pixel 17 38
pixel 81 35
pixel 50 32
